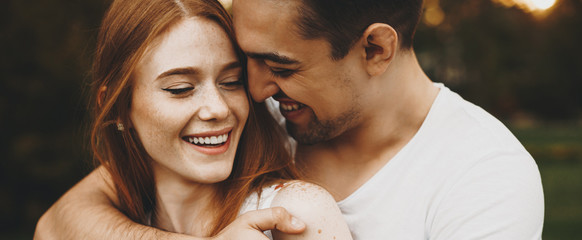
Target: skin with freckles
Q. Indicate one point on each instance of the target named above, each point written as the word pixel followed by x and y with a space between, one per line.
pixel 181 95
pixel 299 198
pixel 198 92
pixel 171 72
pixel 188 85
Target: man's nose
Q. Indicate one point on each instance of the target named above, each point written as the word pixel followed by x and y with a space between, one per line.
pixel 261 82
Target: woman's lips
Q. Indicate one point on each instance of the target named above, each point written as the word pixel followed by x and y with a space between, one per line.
pixel 210 143
pixel 208 140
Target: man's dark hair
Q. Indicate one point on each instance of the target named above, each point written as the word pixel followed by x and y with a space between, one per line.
pixel 342 22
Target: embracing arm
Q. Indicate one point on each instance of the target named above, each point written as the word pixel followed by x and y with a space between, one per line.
pixel 87 211
pixel 316 208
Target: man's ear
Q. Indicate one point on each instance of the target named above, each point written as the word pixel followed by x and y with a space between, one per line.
pixel 381 43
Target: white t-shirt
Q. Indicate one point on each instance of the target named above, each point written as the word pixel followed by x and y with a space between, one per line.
pixel 462 176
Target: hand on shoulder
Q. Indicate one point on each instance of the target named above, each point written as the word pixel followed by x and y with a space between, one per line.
pixel 313 205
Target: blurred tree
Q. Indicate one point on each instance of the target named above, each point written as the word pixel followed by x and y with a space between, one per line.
pixel 46 54
pixel 507 60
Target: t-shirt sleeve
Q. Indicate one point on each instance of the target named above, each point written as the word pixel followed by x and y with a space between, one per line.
pixel 500 197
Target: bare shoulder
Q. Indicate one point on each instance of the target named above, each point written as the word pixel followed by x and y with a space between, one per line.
pixel 294 192
pixel 313 205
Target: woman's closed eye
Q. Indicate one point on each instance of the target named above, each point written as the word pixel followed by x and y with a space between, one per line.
pixel 178 90
pixel 232 84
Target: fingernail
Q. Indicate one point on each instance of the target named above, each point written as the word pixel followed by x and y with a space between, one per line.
pixel 296 223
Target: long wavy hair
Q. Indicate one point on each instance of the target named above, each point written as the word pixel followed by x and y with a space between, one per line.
pixel 128 28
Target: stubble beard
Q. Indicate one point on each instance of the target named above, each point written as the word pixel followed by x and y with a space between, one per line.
pixel 318 131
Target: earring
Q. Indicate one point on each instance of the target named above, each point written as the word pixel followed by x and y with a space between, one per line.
pixel 120 126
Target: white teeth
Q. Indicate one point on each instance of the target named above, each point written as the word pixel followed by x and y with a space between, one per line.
pixel 290 107
pixel 220 139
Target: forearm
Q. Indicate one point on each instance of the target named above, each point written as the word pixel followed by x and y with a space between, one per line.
pixel 87 211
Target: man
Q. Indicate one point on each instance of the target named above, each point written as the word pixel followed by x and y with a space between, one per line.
pixel 405 158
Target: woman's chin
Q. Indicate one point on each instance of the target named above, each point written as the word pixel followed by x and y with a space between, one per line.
pixel 212 177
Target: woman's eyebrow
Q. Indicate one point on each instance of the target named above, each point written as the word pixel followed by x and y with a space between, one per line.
pixel 231 65
pixel 193 71
pixel 178 71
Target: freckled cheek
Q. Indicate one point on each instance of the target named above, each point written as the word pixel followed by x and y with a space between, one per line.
pixel 239 105
pixel 155 124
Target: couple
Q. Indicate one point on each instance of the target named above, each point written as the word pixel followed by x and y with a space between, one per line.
pixel 184 149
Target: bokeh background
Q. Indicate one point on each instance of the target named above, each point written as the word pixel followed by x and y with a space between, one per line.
pixel 521 60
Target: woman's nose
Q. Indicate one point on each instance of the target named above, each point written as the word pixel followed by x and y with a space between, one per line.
pixel 213 105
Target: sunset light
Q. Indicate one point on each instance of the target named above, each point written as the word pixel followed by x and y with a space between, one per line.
pixel 529 5
pixel 542 4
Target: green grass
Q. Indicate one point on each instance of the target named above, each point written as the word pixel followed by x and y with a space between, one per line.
pixel 551 145
pixel 558 152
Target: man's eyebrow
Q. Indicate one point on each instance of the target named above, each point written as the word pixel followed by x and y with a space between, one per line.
pixel 273 57
pixel 178 71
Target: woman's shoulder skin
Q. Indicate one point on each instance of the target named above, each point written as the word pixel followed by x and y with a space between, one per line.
pixel 313 205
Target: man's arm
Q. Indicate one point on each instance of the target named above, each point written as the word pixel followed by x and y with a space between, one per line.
pixel 87 211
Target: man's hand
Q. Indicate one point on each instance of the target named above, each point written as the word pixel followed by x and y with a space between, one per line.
pixel 252 224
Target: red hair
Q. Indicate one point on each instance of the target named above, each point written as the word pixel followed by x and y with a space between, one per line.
pixel 128 28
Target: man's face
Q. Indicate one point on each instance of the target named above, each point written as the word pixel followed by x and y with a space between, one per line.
pixel 318 96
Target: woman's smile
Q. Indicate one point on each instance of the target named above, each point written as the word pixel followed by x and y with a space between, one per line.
pixel 210 143
pixel 189 108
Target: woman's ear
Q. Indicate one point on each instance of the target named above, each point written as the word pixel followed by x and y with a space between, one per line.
pixel 381 43
pixel 101 95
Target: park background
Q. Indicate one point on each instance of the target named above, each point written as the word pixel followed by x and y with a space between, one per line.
pixel 521 60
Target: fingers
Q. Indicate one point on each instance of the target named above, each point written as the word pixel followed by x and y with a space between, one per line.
pixel 250 226
pixel 273 218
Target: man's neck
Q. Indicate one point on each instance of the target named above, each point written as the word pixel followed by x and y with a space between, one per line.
pixel 391 118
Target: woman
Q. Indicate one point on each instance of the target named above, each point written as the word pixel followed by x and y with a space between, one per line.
pixel 186 148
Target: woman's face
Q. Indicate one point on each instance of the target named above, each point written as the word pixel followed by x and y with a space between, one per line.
pixel 189 105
